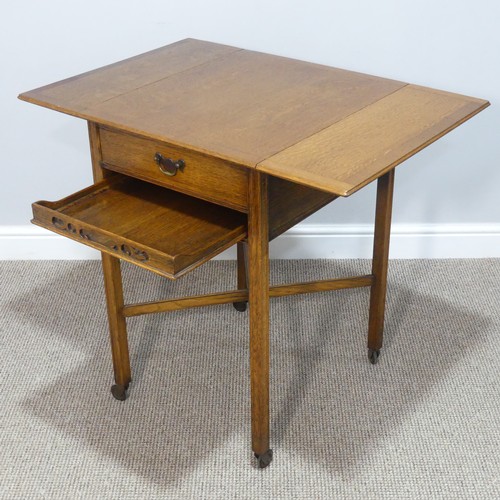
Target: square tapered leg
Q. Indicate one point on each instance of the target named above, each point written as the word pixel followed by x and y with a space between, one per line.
pixel 385 188
pixel 258 297
pixel 117 325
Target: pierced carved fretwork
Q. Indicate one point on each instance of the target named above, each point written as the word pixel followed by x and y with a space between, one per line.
pixel 120 248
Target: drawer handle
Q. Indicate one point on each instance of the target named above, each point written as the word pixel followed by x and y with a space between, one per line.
pixel 169 166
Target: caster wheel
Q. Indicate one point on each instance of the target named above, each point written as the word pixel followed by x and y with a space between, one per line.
pixel 264 459
pixel 240 306
pixel 119 392
pixel 373 356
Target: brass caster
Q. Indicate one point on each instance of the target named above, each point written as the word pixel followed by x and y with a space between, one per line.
pixel 119 392
pixel 264 459
pixel 240 306
pixel 373 355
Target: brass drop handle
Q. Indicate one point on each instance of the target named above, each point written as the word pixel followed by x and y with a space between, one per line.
pixel 169 166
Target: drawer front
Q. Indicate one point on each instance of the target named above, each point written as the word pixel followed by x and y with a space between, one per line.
pixel 202 176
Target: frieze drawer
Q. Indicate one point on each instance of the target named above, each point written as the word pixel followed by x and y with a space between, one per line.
pixel 184 170
pixel 155 228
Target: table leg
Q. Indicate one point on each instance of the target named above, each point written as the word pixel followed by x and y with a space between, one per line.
pixel 385 188
pixel 258 297
pixel 242 273
pixel 117 325
pixel 113 287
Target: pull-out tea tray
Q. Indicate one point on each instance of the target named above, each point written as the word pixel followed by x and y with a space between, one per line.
pixel 161 230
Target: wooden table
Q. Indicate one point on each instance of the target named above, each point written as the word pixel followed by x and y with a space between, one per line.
pixel 197 146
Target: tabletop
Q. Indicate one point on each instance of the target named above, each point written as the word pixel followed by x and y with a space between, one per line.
pixel 323 127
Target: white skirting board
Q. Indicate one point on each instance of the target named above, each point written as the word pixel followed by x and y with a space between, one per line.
pixel 305 241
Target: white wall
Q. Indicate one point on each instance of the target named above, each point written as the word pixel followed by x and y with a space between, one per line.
pixel 447 44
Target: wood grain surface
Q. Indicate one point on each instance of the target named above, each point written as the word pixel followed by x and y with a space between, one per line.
pixel 117 326
pixel 380 262
pixel 243 106
pixel 153 227
pixel 322 127
pixel 290 203
pixel 76 94
pixel 235 104
pixel 204 176
pixel 258 301
pixel 113 285
pixel 241 295
pixel 351 153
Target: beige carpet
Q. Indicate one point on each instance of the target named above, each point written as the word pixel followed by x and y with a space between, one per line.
pixel 423 423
